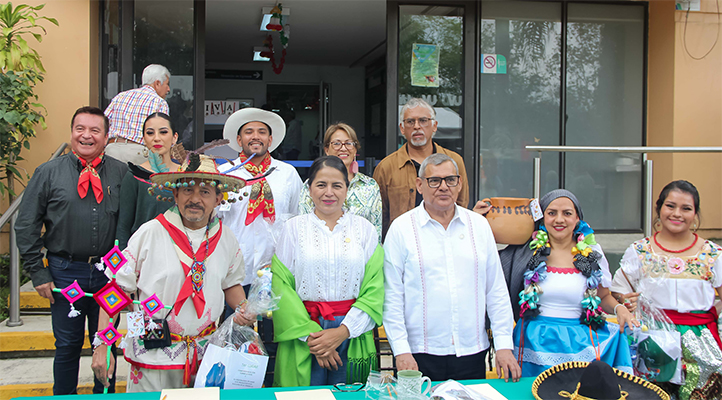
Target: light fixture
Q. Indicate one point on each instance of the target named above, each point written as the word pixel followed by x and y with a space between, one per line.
pixel 285 12
pixel 257 54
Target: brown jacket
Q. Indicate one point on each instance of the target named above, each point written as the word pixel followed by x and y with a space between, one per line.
pixel 396 177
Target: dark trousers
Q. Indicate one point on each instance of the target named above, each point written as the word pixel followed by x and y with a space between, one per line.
pixel 265 331
pixel 441 368
pixel 70 332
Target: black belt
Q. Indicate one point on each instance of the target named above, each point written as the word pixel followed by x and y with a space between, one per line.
pixel 75 258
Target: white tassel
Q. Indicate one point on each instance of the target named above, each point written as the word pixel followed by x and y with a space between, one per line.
pixel 122 345
pixel 73 312
pixel 96 341
pixel 100 265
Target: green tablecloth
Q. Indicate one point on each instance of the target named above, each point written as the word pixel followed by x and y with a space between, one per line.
pixel 512 391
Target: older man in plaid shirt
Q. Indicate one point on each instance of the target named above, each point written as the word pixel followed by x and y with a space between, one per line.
pixel 128 110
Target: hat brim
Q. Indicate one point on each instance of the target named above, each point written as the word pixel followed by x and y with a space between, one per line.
pixel 250 114
pixel 233 182
pixel 566 376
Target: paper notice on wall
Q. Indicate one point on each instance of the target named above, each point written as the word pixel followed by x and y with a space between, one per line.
pixel 493 64
pixel 691 5
pixel 425 65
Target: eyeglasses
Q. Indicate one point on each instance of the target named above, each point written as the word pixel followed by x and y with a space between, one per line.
pixel 353 387
pixel 337 145
pixel 424 122
pixel 435 181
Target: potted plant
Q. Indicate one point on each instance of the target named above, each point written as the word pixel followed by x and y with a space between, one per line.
pixel 20 70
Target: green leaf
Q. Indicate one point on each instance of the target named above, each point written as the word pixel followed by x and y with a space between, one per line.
pixel 52 21
pixel 26 144
pixel 12 117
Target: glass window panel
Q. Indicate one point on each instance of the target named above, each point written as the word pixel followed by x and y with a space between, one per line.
pixel 111 50
pixel 442 27
pixel 164 35
pixel 521 107
pixel 605 50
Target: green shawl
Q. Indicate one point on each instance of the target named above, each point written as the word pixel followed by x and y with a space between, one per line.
pixel 291 321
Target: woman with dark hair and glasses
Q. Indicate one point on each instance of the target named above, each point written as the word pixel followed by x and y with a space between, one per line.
pixel 328 269
pixel 364 196
pixel 565 290
pixel 138 203
pixel 680 273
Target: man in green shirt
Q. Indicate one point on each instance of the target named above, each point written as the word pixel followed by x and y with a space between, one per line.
pixel 75 197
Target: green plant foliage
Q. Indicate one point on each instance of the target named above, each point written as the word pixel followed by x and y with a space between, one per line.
pixel 20 70
pixel 15 53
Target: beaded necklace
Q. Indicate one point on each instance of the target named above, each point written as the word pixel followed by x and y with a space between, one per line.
pixel 198 269
pixel 675 251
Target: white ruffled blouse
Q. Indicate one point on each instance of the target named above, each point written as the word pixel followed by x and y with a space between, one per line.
pixel 329 265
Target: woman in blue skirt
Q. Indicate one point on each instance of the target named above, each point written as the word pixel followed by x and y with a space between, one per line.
pixel 565 292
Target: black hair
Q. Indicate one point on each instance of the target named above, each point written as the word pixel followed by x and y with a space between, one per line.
pixel 270 131
pixel 159 115
pixel 327 161
pixel 92 111
pixel 684 187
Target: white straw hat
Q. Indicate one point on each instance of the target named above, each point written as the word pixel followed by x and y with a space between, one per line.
pixel 251 114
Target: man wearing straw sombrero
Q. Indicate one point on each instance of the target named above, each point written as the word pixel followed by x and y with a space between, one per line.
pixel 191 262
pixel 256 216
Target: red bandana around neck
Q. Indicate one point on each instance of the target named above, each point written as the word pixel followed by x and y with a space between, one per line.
pixel 193 284
pixel 261 199
pixel 89 177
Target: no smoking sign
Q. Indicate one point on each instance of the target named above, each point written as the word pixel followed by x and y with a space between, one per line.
pixel 493 64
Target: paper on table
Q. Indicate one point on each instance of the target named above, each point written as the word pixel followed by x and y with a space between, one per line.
pixel 317 394
pixel 487 390
pixel 209 393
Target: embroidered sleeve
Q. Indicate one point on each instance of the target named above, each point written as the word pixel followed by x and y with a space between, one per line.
pixel 716 265
pixel 631 264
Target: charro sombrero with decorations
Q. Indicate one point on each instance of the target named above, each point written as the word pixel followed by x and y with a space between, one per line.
pixel 198 169
pixel 250 114
pixel 592 381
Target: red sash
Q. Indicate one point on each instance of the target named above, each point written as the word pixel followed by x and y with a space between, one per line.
pixel 327 309
pixel 181 242
pixel 708 319
pixel 191 366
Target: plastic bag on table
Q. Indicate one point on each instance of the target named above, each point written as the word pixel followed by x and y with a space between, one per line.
pixel 235 358
pixel 239 338
pixel 656 345
pixel 261 300
pixel 380 386
pixel 453 390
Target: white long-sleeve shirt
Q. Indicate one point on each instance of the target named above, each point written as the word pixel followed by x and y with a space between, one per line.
pixel 330 265
pixel 440 284
pixel 258 240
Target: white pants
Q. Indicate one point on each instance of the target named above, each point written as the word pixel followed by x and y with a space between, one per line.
pixel 153 380
pixel 128 152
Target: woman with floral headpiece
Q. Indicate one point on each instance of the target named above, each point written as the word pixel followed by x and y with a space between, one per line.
pixel 679 272
pixel 565 294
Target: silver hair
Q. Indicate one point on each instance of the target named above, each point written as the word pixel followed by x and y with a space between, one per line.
pixel 436 159
pixel 155 72
pixel 416 102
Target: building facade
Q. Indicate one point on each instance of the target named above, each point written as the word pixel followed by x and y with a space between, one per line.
pixel 500 74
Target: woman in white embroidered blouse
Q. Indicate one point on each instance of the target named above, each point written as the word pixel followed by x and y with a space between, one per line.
pixel 328 269
pixel 680 272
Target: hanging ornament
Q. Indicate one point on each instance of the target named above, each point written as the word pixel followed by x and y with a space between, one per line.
pixel 277 69
pixel 275 23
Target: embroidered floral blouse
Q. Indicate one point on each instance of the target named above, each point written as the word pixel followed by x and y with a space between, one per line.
pixel 675 283
pixel 363 199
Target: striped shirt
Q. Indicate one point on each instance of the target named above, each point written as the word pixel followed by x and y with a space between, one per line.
pixel 128 110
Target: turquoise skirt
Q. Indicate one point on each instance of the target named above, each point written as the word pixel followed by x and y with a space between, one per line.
pixel 550 341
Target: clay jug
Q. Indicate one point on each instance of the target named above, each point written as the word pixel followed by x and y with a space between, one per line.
pixel 510 219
